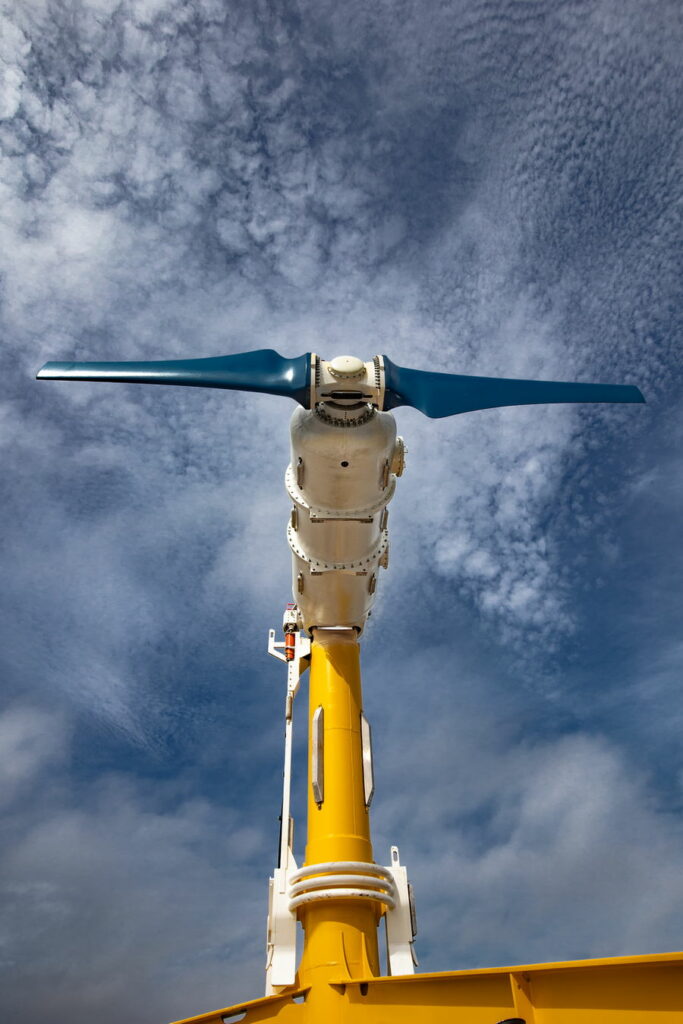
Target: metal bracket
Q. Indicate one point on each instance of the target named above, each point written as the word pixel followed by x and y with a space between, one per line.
pixel 296 664
pixel 400 921
pixel 295 651
pixel 281 937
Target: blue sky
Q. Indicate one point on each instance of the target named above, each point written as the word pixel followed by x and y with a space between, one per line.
pixel 489 188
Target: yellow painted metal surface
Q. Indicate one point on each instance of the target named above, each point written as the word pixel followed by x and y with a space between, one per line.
pixel 620 990
pixel 340 935
pixel 338 829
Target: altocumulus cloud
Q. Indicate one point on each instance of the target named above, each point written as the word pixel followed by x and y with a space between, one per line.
pixel 106 859
pixel 482 188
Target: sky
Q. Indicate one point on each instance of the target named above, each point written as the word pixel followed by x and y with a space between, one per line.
pixel 490 187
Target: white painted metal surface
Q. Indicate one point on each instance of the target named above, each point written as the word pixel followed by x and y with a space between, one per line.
pixel 368 770
pixel 330 379
pixel 345 458
pixel 399 921
pixel 281 939
pixel 282 923
pixel 349 879
pixel 318 755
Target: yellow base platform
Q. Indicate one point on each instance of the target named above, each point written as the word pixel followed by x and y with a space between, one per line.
pixel 619 990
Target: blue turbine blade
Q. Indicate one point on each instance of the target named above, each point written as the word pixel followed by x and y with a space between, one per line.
pixel 447 394
pixel 264 371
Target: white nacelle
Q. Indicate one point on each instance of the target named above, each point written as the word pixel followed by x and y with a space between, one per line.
pixel 341 478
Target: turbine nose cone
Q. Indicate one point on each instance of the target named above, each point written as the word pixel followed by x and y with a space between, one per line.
pixel 347 367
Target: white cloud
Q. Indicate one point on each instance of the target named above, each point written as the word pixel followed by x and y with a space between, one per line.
pixel 119 902
pixel 31 740
pixel 557 834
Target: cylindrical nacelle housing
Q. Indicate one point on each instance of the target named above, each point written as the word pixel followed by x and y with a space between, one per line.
pixel 340 480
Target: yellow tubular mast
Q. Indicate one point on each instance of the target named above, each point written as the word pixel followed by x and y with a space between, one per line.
pixel 340 935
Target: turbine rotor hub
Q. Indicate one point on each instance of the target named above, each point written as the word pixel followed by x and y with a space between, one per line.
pixel 347 368
pixel 346 382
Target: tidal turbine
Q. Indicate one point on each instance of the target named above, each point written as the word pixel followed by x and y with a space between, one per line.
pixel 346 457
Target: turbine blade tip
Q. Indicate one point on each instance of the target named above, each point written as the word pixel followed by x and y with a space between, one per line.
pixel 53 371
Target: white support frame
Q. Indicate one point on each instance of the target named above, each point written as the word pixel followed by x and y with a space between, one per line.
pixel 282 922
pixel 399 922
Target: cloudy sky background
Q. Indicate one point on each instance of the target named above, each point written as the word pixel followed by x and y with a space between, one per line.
pixel 490 188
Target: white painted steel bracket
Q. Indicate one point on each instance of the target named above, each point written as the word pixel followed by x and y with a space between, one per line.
pixel 282 922
pixel 400 921
pixel 295 668
pixel 281 937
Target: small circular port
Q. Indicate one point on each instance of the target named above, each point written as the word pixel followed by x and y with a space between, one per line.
pixel 344 464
